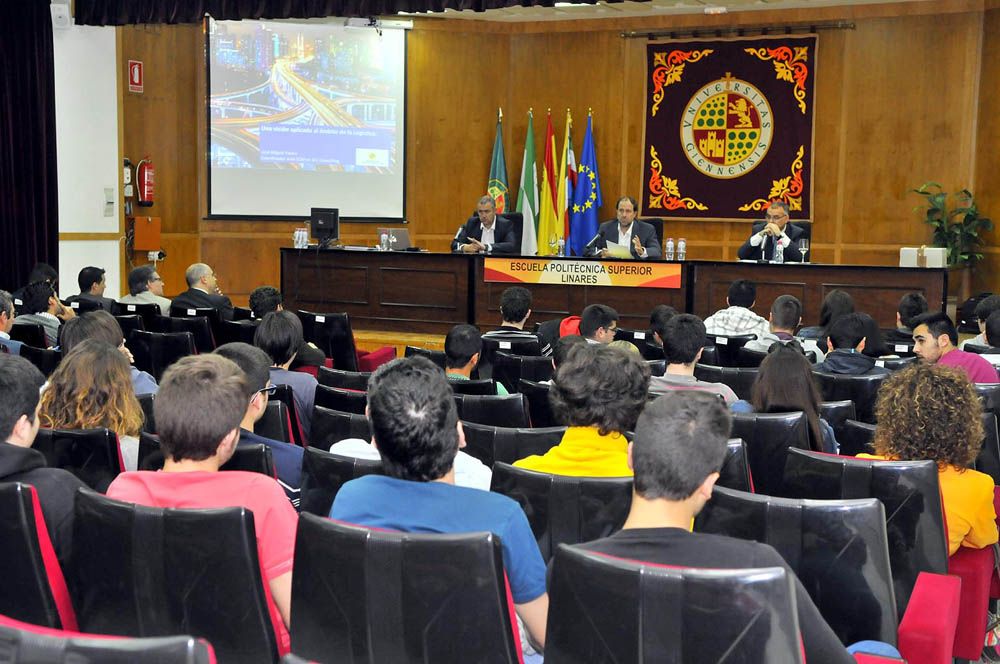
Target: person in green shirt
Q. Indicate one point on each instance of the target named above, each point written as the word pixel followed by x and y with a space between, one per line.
pixel 462 348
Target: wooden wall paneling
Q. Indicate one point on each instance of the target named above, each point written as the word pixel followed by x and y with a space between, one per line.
pixel 182 250
pixel 987 180
pixel 828 160
pixel 907 120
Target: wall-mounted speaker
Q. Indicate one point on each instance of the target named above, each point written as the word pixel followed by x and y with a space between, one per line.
pixel 61 19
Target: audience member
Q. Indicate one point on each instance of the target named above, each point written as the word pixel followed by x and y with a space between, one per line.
pixel 561 351
pixel 874 346
pixel 196 441
pixel 40 272
pixel 910 306
pixel 598 394
pixel 658 318
pixel 786 315
pixel 626 346
pixel 785 384
pixel 145 286
pixel 983 309
pixel 845 341
pixel 255 365
pixel 102 326
pixel 837 303
pixel 992 331
pixel 515 309
pixel 737 318
pixel 92 287
pixel 264 300
pixel 598 324
pixel 203 292
pixel 682 346
pixel 462 349
pixel 91 389
pixel 279 335
pixel 42 307
pixel 7 345
pixel 415 427
pixel 936 341
pixel 680 442
pixel 20 383
pixel 932 412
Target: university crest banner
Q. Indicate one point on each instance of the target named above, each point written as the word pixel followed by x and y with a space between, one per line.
pixel 729 127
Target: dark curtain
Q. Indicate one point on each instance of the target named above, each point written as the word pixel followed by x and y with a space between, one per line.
pixel 123 12
pixel 29 205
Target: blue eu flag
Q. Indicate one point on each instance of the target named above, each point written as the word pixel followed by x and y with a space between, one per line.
pixel 586 196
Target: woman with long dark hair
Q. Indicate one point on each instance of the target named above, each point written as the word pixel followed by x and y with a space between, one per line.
pixel 837 303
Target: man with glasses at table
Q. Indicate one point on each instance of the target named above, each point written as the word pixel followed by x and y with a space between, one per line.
pixel 774 228
pixel 145 286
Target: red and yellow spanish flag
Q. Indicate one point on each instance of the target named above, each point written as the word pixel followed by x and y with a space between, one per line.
pixel 550 226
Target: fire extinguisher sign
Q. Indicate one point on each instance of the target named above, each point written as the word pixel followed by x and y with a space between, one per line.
pixel 135 76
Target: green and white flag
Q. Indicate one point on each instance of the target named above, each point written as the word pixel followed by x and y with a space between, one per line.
pixel 527 195
pixel 497 185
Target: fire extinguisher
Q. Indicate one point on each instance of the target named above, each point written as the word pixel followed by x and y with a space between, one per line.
pixel 145 174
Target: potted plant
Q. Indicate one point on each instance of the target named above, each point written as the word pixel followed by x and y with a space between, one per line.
pixel 956 229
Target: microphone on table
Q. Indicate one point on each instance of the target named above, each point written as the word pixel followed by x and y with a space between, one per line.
pixel 590 245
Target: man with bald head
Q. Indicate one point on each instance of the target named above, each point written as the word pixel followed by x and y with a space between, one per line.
pixel 203 292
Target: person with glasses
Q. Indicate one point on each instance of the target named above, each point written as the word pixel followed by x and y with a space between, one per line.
pixel 203 292
pixel 598 324
pixel 145 286
pixel 774 228
pixel 256 365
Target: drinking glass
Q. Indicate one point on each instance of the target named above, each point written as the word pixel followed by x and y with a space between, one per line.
pixel 553 243
pixel 804 249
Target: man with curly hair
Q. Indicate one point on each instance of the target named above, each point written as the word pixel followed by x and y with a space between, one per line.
pixel 929 411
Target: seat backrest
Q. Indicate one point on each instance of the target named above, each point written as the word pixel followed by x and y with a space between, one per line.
pixel 490 444
pixel 92 455
pixel 32 587
pixel 25 642
pixel 32 334
pixel 710 355
pixel 285 395
pixel 862 390
pixel 148 311
pixel 46 359
pixel 333 335
pixel 237 330
pixel 242 313
pixel 909 492
pixel 198 326
pixel 604 609
pixel 657 367
pixel 129 323
pixel 980 349
pixel 988 459
pixel 80 306
pixel 334 398
pixel 509 368
pixel 856 438
pixel 508 411
pixel 735 472
pixel 142 571
pixel 643 340
pixel 562 509
pixel 399 597
pixel 747 357
pixel 728 346
pixel 248 458
pixel 539 407
pixel 436 356
pixel 836 413
pixel 989 395
pixel 478 386
pixel 491 345
pixel 323 474
pixel 155 351
pixel 837 548
pixel 149 417
pixel 331 426
pixel 768 437
pixel 347 380
pixel 895 363
pixel 275 423
pixel 739 379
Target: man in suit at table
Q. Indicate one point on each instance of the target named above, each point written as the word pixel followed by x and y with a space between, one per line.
pixel 626 229
pixel 486 232
pixel 203 292
pixel 775 227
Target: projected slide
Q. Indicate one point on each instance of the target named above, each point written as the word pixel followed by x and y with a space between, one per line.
pixel 305 115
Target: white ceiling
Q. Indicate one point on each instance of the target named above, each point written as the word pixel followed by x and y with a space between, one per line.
pixel 603 10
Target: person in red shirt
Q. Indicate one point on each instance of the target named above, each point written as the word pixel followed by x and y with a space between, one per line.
pixel 198 410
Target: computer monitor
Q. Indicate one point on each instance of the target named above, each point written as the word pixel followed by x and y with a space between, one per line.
pixel 325 225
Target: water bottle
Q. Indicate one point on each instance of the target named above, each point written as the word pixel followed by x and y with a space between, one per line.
pixel 779 252
pixel 562 247
pixel 682 246
pixel 297 238
pixel 670 249
pixel 383 242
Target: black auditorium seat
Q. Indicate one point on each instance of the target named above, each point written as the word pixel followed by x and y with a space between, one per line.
pixel 335 398
pixel 513 346
pixel 199 327
pixel 46 359
pixel 739 379
pixel 331 426
pixel 539 407
pixel 484 386
pixel 435 356
pixel 728 347
pixel 323 474
pixel 275 423
pixel 862 390
pixel 746 357
pixel 92 455
pixel 735 472
pixel 768 438
pixel 856 438
pixel 346 380
pixel 490 443
pixel 836 413
pixel 509 369
pixel 155 351
pixel 332 334
pixel 505 411
pixel 148 311
pixel 32 334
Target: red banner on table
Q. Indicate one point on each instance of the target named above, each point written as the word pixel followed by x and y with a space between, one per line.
pixel 582 272
pixel 729 127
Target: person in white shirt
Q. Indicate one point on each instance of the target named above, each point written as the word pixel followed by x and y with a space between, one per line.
pixel 626 230
pixel 786 315
pixel 486 232
pixel 774 229
pixel 737 318
pixel 469 471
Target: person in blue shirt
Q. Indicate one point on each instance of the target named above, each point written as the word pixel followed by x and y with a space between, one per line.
pixel 287 457
pixel 416 429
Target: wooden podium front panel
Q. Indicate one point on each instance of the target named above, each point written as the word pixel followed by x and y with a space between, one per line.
pixel 396 291
pixel 549 301
pixel 876 290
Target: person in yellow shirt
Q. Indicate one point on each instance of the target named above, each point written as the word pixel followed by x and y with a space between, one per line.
pixel 929 411
pixel 598 392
